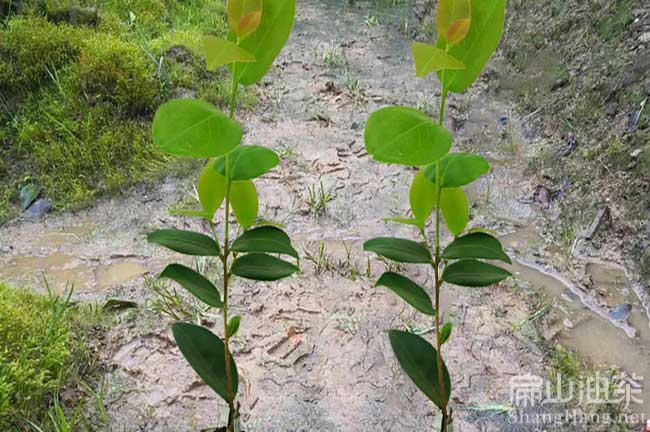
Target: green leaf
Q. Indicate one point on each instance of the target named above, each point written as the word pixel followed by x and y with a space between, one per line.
pixel 267 41
pixel 422 197
pixel 445 332
pixel 211 189
pixel 233 325
pixel 247 162
pixel 418 359
pixel 408 290
pixel 194 282
pixel 262 267
pixel 244 16
pixel 398 249
pixel 476 49
pixel 264 239
pixel 185 242
pixel 189 127
pixel 455 210
pixel 458 169
pixel 219 52
pixel 28 195
pixel 473 273
pixel 245 205
pixel 476 245
pixel 405 221
pixel 189 212
pixel 204 351
pixel 430 59
pixel 405 136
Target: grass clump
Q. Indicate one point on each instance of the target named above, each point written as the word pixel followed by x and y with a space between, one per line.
pixel 40 345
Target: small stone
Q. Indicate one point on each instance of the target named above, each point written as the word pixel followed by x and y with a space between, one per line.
pixel 39 209
pixel 635 154
pixel 645 37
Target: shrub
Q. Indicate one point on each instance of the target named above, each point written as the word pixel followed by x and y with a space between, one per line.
pixel 37 348
pixel 117 72
pixel 31 49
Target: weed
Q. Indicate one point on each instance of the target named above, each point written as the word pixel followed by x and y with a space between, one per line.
pixel 317 198
pixel 333 57
pixel 321 259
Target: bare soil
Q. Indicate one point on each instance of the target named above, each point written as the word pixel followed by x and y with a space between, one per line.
pixel 312 352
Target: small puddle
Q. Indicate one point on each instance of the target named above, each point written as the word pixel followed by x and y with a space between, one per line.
pixel 605 324
pixel 61 271
pixel 117 273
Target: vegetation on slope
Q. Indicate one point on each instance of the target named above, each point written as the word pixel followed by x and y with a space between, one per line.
pixel 79 86
pixel 583 81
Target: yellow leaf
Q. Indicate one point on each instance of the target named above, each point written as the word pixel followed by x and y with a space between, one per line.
pixel 422 197
pixel 455 210
pixel 211 189
pixel 244 16
pixel 458 30
pixel 249 24
pixel 448 13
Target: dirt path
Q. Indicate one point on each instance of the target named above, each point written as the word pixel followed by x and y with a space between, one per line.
pixel 312 351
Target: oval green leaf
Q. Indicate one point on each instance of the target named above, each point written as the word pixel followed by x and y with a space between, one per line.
pixel 418 359
pixel 204 351
pixel 185 242
pixel 405 221
pixel 245 205
pixel 233 325
pixel 189 127
pixel 267 41
pixel 422 197
pixel 408 290
pixel 211 189
pixel 398 249
pixel 247 162
pixel 262 267
pixel 267 239
pixel 405 136
pixel 194 282
pixel 476 49
pixel 473 273
pixel 455 209
pixel 476 245
pixel 458 169
pixel 219 52
pixel 429 59
pixel 445 332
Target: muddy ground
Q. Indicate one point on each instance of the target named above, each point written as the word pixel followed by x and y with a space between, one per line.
pixel 312 352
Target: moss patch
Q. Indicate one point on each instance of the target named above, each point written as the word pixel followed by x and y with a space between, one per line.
pixel 79 84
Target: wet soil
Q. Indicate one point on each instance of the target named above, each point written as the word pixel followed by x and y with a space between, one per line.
pixel 312 350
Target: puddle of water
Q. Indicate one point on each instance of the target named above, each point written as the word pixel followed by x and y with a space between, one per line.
pixel 67 235
pixel 61 270
pixel 117 273
pixel 593 332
